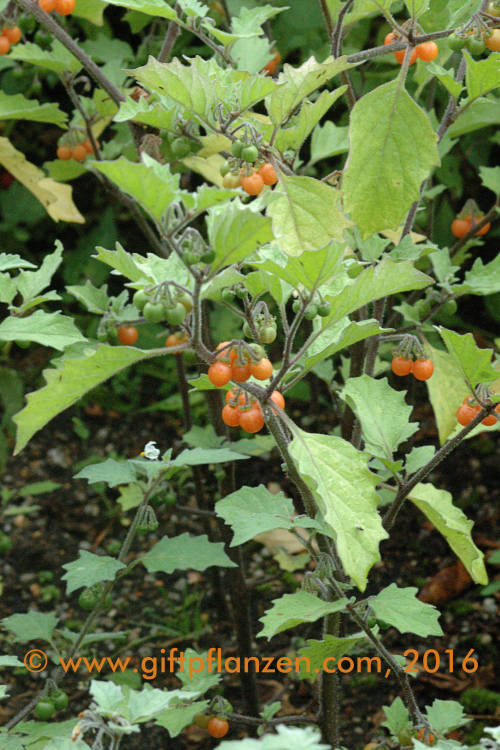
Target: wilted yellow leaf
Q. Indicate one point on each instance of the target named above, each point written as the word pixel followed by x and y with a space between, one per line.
pixel 54 196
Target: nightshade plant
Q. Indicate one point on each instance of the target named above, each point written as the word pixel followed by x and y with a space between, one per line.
pixel 332 269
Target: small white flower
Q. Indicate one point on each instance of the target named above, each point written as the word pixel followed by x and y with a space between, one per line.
pixel 151 451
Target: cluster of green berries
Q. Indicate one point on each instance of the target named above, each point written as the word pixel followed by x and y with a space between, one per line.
pixel 320 307
pixel 173 308
pixel 56 700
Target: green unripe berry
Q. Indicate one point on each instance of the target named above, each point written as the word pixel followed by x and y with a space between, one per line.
pixel 139 299
pixel 236 149
pixel 60 699
pixel 153 312
pixel 181 147
pixel 225 169
pixel 311 311
pixel 227 295
pixel 267 334
pixel 190 258
pixel 247 331
pixel 44 709
pixel 456 42
pixel 208 256
pixel 176 314
pixel 297 304
pixel 249 153
pixel 324 309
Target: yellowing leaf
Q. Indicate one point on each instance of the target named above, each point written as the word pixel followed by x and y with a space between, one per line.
pixel 54 196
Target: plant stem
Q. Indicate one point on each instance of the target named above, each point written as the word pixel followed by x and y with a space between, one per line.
pixel 173 32
pixel 441 454
pixel 330 690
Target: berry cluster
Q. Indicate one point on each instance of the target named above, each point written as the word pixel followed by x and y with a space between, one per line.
pixel 56 700
pixel 468 410
pixel 78 151
pixel 476 41
pixel 421 369
pixel 463 224
pixel 63 7
pixel 10 35
pixel 427 51
pixel 235 363
pixel 156 307
pixel 238 171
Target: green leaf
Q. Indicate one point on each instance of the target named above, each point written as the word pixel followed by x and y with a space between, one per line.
pixel 299 127
pixel 109 471
pixel 203 437
pixel 444 716
pixel 31 626
pixel 9 260
pixel 337 337
pixel 131 496
pixel 306 214
pixel 328 140
pixel 10 661
pixel 446 77
pixel 48 329
pixel 453 524
pixel 59 59
pixel 490 177
pixel 199 85
pixel 297 83
pixel 447 389
pixel 473 362
pixel 175 719
pixel 185 552
pixel 156 8
pixel 134 705
pixel 285 738
pixel 397 717
pixel 392 150
pixel 31 283
pixel 481 279
pixel 416 7
pixel 252 510
pixel 317 652
pixel 481 76
pixel 152 184
pixel 93 298
pixel 205 677
pixel 250 20
pixel 17 107
pixel 202 456
pixel 312 267
pixel 375 282
pixel 480 114
pixel 235 232
pixel 383 413
pixel 90 569
pixel 293 609
pixel 401 609
pixel 418 457
pixel 68 383
pixel 157 115
pixel 90 10
pixel 344 489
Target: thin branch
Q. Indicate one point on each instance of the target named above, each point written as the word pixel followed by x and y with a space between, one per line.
pixel 58 32
pixel 441 454
pixel 173 32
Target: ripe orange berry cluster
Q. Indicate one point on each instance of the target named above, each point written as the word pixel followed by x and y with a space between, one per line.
pixel 63 7
pixel 10 35
pixel 427 51
pixel 230 365
pixel 462 226
pixel 254 182
pixel 78 152
pixel 421 369
pixel 467 411
pixel 240 410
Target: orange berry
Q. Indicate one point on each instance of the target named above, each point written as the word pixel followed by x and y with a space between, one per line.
pixel 262 370
pixel 252 183
pixel 489 421
pixel 268 174
pixel 240 371
pixel 269 68
pixel 229 354
pixel 13 34
pixel 278 399
pixel 64 153
pixel 219 373
pixel 231 415
pixel 79 153
pixel 65 7
pixel 47 5
pixel 4 45
pixel 175 340
pixel 427 51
